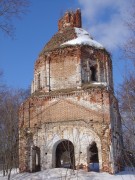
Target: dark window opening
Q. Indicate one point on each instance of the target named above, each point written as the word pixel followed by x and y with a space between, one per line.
pixel 65 155
pixel 39 83
pixel 93 73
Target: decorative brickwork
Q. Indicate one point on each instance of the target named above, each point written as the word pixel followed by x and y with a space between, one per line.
pixel 72 102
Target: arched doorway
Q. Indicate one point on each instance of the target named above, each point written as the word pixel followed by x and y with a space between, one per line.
pixel 65 155
pixel 93 158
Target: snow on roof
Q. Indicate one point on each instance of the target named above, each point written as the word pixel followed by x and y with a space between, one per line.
pixel 83 38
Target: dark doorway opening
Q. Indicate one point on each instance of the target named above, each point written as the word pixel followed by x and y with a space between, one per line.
pixel 65 155
pixel 93 73
pixel 94 160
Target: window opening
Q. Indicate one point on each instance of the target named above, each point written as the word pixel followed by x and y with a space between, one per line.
pixel 39 83
pixel 93 73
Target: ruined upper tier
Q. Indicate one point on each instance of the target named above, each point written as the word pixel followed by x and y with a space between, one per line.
pixel 71 60
pixel 70 34
pixel 66 30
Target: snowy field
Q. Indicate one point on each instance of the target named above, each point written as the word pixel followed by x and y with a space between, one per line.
pixel 68 174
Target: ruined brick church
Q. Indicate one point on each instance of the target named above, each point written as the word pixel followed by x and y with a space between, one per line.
pixel 71 119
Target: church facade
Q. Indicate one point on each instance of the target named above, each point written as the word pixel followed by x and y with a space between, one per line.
pixel 72 118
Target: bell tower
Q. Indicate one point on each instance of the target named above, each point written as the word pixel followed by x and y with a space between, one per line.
pixel 72 105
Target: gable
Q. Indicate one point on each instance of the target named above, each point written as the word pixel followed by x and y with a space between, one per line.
pixel 65 110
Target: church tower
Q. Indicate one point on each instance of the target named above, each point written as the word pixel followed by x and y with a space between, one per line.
pixel 72 118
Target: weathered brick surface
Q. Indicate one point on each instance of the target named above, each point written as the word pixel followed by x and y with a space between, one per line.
pixel 69 67
pixel 72 99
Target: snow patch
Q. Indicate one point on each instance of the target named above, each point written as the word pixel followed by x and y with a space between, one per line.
pixel 83 38
pixel 100 83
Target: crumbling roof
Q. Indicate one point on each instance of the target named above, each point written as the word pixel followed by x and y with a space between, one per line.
pixel 70 36
pixel 59 38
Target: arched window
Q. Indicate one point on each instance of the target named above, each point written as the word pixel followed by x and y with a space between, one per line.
pixel 93 73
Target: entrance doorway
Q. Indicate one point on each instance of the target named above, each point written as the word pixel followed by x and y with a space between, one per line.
pixel 65 155
pixel 93 159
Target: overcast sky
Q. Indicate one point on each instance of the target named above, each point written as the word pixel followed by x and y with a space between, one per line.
pixel 103 19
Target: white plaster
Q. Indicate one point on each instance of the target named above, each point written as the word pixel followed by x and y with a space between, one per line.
pixel 81 137
pixel 87 104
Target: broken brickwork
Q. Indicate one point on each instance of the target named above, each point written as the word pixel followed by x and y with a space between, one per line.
pixel 70 19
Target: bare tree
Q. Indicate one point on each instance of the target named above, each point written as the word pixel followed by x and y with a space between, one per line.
pixel 10 101
pixel 127 109
pixel 10 9
pixel 126 94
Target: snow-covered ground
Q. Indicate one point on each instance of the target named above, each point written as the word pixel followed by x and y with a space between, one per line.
pixel 68 174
